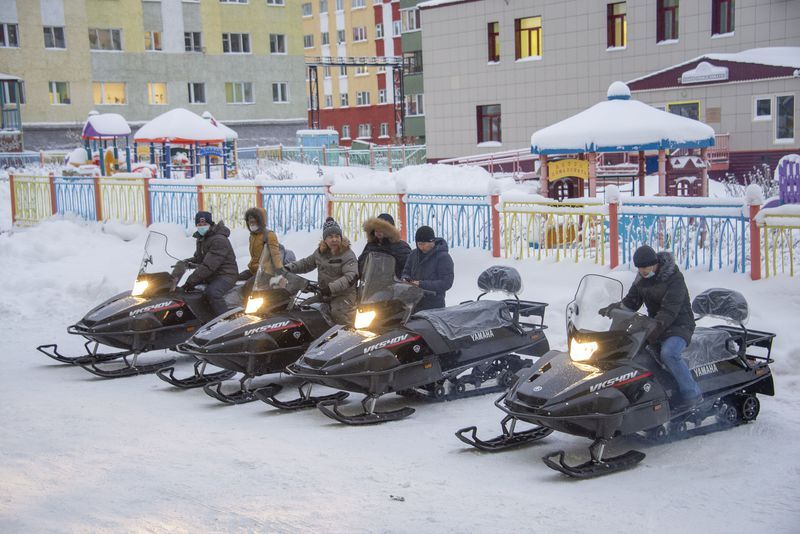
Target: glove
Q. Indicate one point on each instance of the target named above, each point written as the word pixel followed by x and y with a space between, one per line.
pixel 245 275
pixel 288 267
pixel 189 263
pixel 280 271
pixel 324 290
pixel 606 312
pixel 655 336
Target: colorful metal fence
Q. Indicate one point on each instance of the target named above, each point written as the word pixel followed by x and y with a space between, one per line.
pixel 31 199
pixel 294 208
pixel 229 202
pixel 465 220
pixel 351 211
pixel 376 157
pixel 75 194
pixel 172 202
pixel 781 237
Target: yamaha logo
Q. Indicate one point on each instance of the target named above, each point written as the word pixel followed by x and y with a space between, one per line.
pixel 480 336
pixel 297 334
pixel 537 388
pixel 416 348
pixel 647 387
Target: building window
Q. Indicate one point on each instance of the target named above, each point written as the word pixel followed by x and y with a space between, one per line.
pixel 233 1
pixel 666 20
pixel 307 10
pixel 493 31
pixel 276 3
pixel 617 25
pixel 308 41
pixel 328 101
pixel 690 110
pixel 412 62
pixel 364 130
pixel 784 118
pixel 356 4
pixel 236 43
pixel 410 20
pixel 344 100
pixel 152 41
pixel 528 33
pixel 384 129
pixel 340 36
pixel 489 123
pixel 197 93
pixel 722 16
pixel 325 38
pixel 193 41
pixel 277 43
pixel 13 93
pixel 59 93
pixel 9 35
pixel 379 31
pixel 345 131
pixel 157 93
pixel 415 105
pixel 108 93
pixel 359 33
pixel 339 5
pixel 762 109
pixel 280 92
pixel 239 93
pixel 342 70
pixel 362 70
pixel 54 37
pixel 381 96
pixel 362 98
pixel 100 39
pixel 323 6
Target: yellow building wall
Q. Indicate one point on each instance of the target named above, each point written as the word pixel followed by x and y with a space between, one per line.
pixel 122 15
pixel 252 18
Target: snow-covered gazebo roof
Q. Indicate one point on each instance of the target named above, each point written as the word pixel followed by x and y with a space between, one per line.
pixel 179 126
pixel 105 126
pixel 230 135
pixel 620 124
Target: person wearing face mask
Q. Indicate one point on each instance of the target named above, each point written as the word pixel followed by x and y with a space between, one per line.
pixel 383 237
pixel 660 286
pixel 260 237
pixel 215 261
pixel 430 267
pixel 337 272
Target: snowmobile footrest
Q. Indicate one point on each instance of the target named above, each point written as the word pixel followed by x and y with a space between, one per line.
pixel 503 441
pixel 267 394
pixel 52 351
pixel 128 370
pixel 167 374
pixel 331 409
pixel 593 468
pixel 242 396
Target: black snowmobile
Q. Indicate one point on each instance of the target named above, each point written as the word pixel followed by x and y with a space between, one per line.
pixel 611 383
pixel 469 349
pixel 275 328
pixel 154 315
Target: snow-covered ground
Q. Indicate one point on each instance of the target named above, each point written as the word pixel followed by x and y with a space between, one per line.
pixel 79 453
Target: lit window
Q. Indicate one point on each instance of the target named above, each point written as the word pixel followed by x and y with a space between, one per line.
pixel 100 39
pixel 157 93
pixel 152 41
pixel 197 93
pixel 489 123
pixel 493 30
pixel 617 25
pixel 54 37
pixel 108 93
pixel 59 93
pixel 239 93
pixel 722 16
pixel 528 37
pixel 666 20
pixel 362 70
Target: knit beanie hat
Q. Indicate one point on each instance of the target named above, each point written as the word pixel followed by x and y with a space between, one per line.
pixel 386 217
pixel 424 234
pixel 645 257
pixel 203 216
pixel 330 228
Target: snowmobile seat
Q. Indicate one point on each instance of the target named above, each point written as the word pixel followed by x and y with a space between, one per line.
pixel 709 345
pixel 467 319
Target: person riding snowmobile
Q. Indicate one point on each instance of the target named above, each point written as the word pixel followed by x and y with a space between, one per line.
pixel 337 271
pixel 661 288
pixel 261 236
pixel 384 237
pixel 215 261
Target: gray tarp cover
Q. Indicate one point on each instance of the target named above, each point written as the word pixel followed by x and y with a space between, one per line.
pixel 470 318
pixel 709 345
pixel 500 278
pixel 719 302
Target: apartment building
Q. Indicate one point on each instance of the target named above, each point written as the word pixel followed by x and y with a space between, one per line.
pixel 239 59
pixel 497 71
pixel 413 72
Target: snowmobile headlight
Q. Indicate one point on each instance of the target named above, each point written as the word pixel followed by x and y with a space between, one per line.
pixel 139 287
pixel 581 352
pixel 364 319
pixel 254 304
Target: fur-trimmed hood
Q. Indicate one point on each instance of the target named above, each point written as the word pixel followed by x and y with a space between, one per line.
pixel 324 249
pixel 376 224
pixel 259 214
pixel 666 265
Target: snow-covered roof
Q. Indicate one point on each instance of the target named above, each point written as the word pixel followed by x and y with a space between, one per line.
pixel 620 124
pixel 316 132
pixel 436 3
pixel 105 126
pixel 179 126
pixel 229 134
pixel 9 77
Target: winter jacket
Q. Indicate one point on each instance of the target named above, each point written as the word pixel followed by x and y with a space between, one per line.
pixel 260 238
pixel 434 271
pixel 391 244
pixel 213 255
pixel 666 297
pixel 338 272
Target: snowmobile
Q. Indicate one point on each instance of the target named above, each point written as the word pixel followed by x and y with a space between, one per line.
pixel 154 315
pixel 274 329
pixel 610 383
pixel 443 354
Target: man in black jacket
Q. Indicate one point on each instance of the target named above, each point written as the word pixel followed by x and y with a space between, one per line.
pixel 430 267
pixel 661 288
pixel 383 237
pixel 215 261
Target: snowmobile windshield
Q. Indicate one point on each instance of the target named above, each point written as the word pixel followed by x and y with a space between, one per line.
pixel 266 282
pixel 156 259
pixel 378 283
pixel 594 293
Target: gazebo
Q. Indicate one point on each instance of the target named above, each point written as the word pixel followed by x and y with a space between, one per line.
pixel 181 127
pixel 231 138
pixel 99 129
pixel 618 124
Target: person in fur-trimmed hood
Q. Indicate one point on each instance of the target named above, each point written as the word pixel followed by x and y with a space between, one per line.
pixel 337 272
pixel 384 237
pixel 661 288
pixel 260 236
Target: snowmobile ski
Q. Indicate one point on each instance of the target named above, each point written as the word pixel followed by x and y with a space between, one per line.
pixel 130 369
pixel 267 394
pixel 198 379
pixel 51 350
pixel 596 466
pixel 244 395
pixel 509 439
pixel 368 417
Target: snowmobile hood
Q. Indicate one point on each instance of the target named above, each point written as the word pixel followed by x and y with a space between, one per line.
pixel 346 351
pixel 126 306
pixel 237 331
